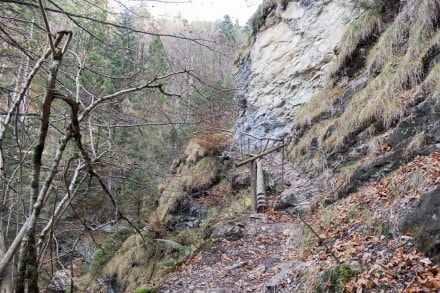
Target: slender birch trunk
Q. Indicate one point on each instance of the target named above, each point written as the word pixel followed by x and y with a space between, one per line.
pixel 27 274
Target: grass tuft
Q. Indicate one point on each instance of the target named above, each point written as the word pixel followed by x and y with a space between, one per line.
pixel 428 16
pixel 321 103
pixel 389 43
pixel 360 32
pixel 416 143
pixel 315 135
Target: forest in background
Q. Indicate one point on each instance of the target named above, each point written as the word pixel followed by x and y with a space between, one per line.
pixel 95 104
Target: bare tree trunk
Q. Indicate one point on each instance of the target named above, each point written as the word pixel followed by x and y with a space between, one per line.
pixel 28 252
pixel 6 279
pixel 27 264
pixel 18 102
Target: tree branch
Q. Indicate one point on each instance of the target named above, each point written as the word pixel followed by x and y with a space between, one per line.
pixel 320 239
pixel 71 14
pixel 13 42
pixel 60 207
pixel 46 23
pixel 89 163
pixel 151 85
pixel 28 251
pixel 26 84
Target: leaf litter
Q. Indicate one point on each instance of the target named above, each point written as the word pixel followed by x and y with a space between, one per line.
pixel 357 229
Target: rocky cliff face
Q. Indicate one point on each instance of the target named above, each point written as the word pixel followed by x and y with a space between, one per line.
pixel 287 63
pixel 354 85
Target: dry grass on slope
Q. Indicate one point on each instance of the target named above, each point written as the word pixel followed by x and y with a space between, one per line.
pixel 387 98
pixel 321 103
pixel 389 43
pixel 360 32
pixel 408 73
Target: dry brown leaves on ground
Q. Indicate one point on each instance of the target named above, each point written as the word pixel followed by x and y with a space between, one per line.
pixel 356 230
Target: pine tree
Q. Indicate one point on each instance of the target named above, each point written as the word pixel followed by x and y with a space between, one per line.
pixel 158 64
pixel 227 29
pixel 125 43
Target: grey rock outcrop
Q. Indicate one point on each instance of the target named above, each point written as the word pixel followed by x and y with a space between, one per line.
pixel 287 64
pixel 423 219
pixel 231 231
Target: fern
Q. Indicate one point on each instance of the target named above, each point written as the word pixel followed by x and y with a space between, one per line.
pixel 182 249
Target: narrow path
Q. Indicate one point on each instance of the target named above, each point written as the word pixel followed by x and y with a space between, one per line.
pixel 257 262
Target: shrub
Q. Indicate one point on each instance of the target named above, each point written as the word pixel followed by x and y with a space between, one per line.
pixel 215 142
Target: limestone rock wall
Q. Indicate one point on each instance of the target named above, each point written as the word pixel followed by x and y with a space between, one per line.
pixel 287 64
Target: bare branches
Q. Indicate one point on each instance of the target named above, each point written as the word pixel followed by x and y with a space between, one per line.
pixel 191 73
pixel 46 23
pixel 13 42
pixel 110 76
pixel 62 203
pixel 152 84
pixel 28 252
pixel 104 69
pixel 89 163
pixel 115 25
pixel 15 104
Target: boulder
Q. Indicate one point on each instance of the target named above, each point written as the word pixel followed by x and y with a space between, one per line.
pixel 423 220
pixel 231 230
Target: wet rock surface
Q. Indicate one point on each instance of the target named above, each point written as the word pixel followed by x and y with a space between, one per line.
pixel 189 214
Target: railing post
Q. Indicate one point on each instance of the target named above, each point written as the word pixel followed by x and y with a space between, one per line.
pixel 253 169
pixel 261 192
pixel 282 165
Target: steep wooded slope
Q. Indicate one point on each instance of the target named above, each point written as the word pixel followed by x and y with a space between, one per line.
pixel 354 87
